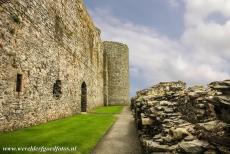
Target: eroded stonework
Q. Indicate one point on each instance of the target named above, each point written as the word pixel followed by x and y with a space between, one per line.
pixel 55 47
pixel 171 118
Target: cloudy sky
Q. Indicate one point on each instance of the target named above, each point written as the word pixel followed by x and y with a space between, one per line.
pixel 169 40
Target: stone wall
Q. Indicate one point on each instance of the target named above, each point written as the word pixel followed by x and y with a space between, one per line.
pixel 106 79
pixel 118 72
pixel 50 44
pixel 171 118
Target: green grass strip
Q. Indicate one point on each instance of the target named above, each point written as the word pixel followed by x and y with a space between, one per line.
pixel 82 131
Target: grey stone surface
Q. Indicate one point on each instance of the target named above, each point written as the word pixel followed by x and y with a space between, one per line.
pixel 122 137
pixel 175 119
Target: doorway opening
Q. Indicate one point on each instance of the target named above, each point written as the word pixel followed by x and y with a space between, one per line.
pixel 83 97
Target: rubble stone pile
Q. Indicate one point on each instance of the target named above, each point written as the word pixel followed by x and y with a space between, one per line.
pixel 171 118
pixel 194 106
pixel 221 99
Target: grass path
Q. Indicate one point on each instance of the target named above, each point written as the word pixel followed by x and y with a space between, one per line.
pixel 81 131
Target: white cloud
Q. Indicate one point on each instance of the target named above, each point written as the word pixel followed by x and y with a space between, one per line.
pixel 199 57
pixel 208 39
pixel 198 10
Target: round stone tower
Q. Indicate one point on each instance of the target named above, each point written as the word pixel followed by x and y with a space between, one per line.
pixel 117 55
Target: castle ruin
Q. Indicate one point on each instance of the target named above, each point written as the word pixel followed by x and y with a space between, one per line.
pixel 53 63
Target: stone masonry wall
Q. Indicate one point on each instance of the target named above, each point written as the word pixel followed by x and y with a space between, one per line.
pixel 118 72
pixel 106 79
pixel 171 118
pixel 45 41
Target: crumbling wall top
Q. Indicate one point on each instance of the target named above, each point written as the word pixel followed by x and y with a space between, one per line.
pixel 112 43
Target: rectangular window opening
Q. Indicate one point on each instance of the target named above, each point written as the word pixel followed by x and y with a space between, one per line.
pixel 19 83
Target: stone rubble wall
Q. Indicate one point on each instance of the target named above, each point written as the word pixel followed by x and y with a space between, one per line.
pixel 118 72
pixel 220 99
pixel 171 118
pixel 45 41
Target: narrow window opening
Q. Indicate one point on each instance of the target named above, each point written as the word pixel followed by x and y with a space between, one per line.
pixel 19 83
pixel 57 91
